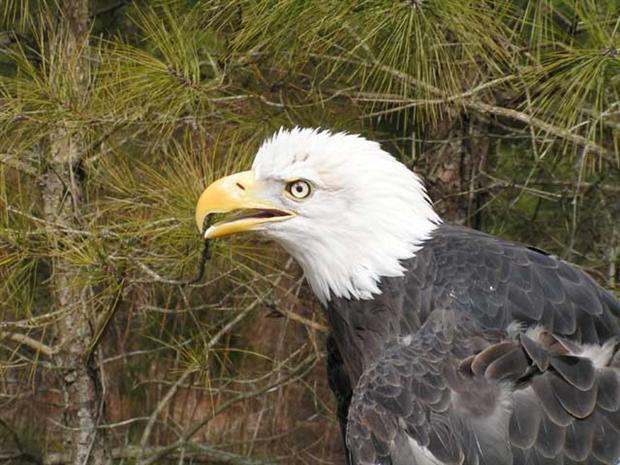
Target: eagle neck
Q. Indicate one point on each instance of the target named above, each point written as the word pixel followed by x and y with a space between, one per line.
pixel 361 328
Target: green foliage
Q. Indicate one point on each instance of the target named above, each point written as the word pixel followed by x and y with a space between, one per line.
pixel 170 94
pixel 577 78
pixel 172 71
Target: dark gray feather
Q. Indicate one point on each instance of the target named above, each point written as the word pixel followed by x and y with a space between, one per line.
pixel 429 359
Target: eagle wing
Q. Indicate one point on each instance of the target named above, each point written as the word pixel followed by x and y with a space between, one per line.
pixel 499 282
pixel 501 288
pixel 450 396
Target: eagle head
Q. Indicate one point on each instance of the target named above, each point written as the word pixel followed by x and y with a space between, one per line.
pixel 345 209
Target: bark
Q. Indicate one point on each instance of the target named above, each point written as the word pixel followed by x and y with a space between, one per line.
pixel 452 169
pixel 63 196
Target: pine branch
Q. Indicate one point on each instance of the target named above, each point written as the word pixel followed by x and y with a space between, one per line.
pixel 27 341
pixel 34 321
pixel 303 368
pixel 540 124
pixel 197 452
pixel 12 161
pixel 466 100
pixel 210 345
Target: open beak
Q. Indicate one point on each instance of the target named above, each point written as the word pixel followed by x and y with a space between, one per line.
pixel 240 193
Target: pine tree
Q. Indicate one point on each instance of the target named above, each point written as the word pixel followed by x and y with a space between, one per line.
pixel 115 114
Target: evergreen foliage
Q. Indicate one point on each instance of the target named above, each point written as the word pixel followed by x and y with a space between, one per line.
pixel 510 109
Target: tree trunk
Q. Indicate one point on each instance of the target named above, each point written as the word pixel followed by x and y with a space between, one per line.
pixel 63 195
pixel 452 169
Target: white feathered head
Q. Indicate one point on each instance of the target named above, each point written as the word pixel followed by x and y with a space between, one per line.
pixel 345 209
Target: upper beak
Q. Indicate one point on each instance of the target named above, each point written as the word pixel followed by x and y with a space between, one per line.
pixel 236 192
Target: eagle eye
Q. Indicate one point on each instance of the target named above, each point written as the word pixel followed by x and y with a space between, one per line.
pixel 299 189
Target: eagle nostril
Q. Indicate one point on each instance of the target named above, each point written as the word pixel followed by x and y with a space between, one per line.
pixel 240 186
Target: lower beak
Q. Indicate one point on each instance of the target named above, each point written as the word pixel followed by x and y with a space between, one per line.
pixel 233 193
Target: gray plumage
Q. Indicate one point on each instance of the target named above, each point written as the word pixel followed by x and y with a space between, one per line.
pixel 484 352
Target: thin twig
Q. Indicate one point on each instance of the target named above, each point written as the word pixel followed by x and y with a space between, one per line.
pixel 202 453
pixel 27 341
pixel 304 367
pixel 173 389
pixel 466 99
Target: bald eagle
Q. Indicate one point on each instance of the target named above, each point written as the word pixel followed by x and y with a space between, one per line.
pixel 447 345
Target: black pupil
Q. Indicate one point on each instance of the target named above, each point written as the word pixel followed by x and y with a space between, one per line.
pixel 298 188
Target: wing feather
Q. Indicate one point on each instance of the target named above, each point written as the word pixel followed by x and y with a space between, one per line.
pixel 577 371
pixel 495 406
pixel 525 420
pixel 609 390
pixel 466 389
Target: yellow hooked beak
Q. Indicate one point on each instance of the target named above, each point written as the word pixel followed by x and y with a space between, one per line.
pixel 239 191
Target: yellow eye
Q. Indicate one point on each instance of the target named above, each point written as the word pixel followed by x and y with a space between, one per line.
pixel 299 189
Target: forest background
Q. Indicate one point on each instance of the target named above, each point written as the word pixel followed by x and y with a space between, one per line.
pixel 115 114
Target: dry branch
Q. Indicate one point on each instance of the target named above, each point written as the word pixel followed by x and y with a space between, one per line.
pixel 302 368
pixel 197 452
pixel 29 342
